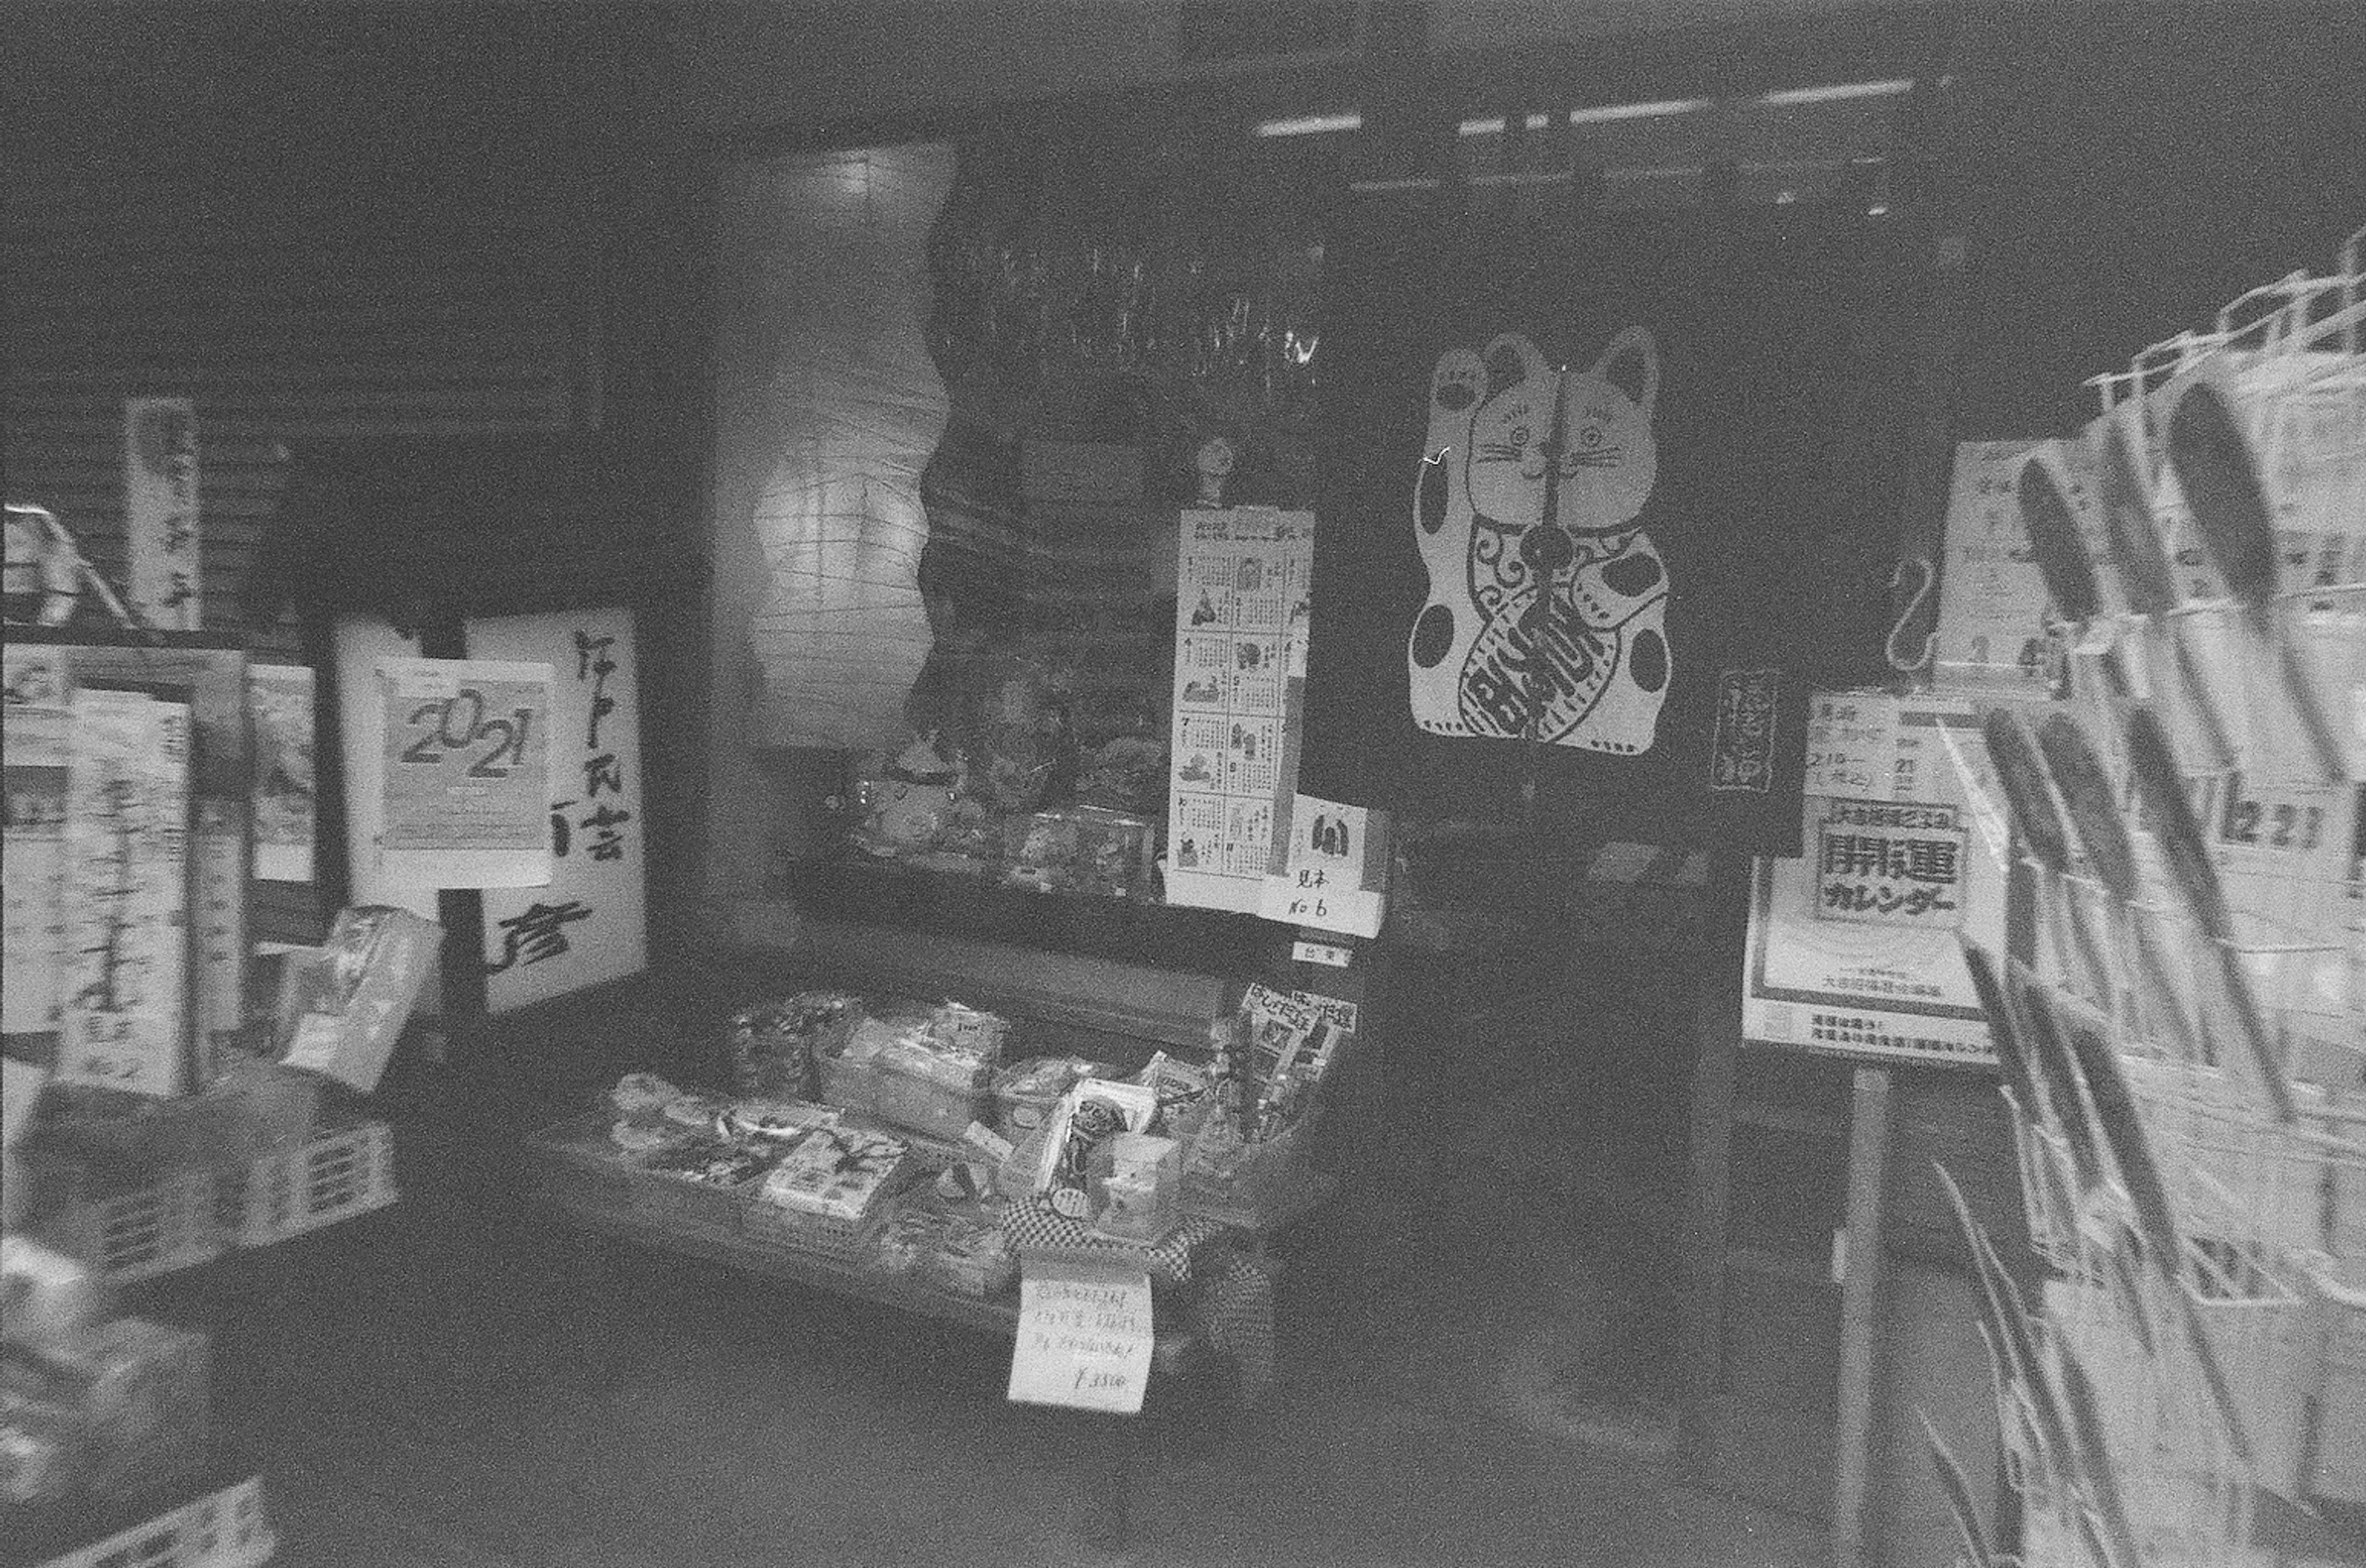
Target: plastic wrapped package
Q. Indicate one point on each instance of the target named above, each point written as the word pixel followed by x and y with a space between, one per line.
pixel 773 1048
pixel 973 1256
pixel 929 1090
pixel 905 1238
pixel 1026 1093
pixel 838 1173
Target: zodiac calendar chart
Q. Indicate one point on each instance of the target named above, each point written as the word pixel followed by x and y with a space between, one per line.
pixel 1241 604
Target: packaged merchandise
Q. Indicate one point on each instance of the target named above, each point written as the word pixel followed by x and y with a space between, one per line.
pixel 838 1173
pixel 1026 1093
pixel 697 1112
pixel 1080 1138
pixel 139 1393
pixel 973 1256
pixel 1137 1198
pixel 343 1005
pixel 642 1097
pixel 961 1031
pixel 39 1448
pixel 1085 850
pixel 929 1090
pixel 782 1120
pixel 718 1162
pixel 53 1302
pixel 849 1075
pixel 773 1049
pixel 905 1238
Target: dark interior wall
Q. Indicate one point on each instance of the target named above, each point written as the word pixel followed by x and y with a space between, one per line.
pixel 2123 171
pixel 350 224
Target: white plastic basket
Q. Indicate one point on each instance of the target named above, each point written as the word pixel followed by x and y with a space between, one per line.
pixel 337 1176
pixel 155 1228
pixel 228 1528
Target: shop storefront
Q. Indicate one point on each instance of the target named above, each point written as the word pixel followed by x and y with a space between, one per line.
pixel 1665 714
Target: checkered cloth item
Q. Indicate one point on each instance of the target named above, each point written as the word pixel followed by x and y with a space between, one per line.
pixel 1235 1311
pixel 1036 1230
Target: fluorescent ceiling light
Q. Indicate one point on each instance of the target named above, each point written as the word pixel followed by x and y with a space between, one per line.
pixel 1603 114
pixel 1493 126
pixel 1312 125
pixel 1839 92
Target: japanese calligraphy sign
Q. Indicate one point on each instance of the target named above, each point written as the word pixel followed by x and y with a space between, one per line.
pixel 467 752
pixel 1242 599
pixel 1854 946
pixel 589 924
pixel 126 1011
pixel 1741 746
pixel 159 510
pixel 1085 1337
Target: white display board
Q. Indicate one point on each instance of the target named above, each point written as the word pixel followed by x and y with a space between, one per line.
pixel 588 923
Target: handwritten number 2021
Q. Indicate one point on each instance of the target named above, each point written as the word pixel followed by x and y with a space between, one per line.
pixel 457 722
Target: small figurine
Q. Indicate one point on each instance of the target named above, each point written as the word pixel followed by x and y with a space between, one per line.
pixel 1213 466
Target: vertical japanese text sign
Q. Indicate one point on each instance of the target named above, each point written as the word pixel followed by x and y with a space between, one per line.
pixel 160 510
pixel 589 924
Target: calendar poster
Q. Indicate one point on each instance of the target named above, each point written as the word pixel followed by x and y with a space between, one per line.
pixel 1240 665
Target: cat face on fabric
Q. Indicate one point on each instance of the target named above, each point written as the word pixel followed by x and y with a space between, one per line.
pixel 1582 437
pixel 1546 605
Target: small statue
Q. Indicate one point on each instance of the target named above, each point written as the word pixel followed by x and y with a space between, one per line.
pixel 1212 467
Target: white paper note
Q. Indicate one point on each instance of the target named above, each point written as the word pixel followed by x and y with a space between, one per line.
pixel 1085 1337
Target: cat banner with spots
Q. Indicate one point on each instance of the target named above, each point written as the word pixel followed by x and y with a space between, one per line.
pixel 1601 503
pixel 1548 604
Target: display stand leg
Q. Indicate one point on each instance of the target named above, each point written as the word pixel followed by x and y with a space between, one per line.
pixel 1860 1290
pixel 1109 1503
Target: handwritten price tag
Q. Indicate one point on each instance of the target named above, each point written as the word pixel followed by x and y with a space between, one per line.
pixel 1085 1337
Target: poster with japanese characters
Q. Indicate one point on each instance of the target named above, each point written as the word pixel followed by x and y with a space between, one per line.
pixel 1992 630
pixel 33 740
pixel 126 1003
pixel 589 924
pixel 467 752
pixel 160 512
pixel 1242 599
pixel 280 697
pixel 1854 946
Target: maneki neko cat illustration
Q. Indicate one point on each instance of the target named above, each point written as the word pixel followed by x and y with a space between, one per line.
pixel 1546 611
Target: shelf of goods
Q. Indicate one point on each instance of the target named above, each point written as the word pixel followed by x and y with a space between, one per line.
pixel 2181 1023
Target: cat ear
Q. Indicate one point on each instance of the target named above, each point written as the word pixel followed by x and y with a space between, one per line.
pixel 1631 364
pixel 1512 359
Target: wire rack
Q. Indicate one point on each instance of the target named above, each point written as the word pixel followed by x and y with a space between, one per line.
pixel 2145 1402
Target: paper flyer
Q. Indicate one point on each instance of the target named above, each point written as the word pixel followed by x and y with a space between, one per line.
pixel 33 759
pixel 126 1003
pixel 465 747
pixel 1333 875
pixel 589 923
pixel 1991 630
pixel 1241 584
pixel 1853 946
pixel 280 697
